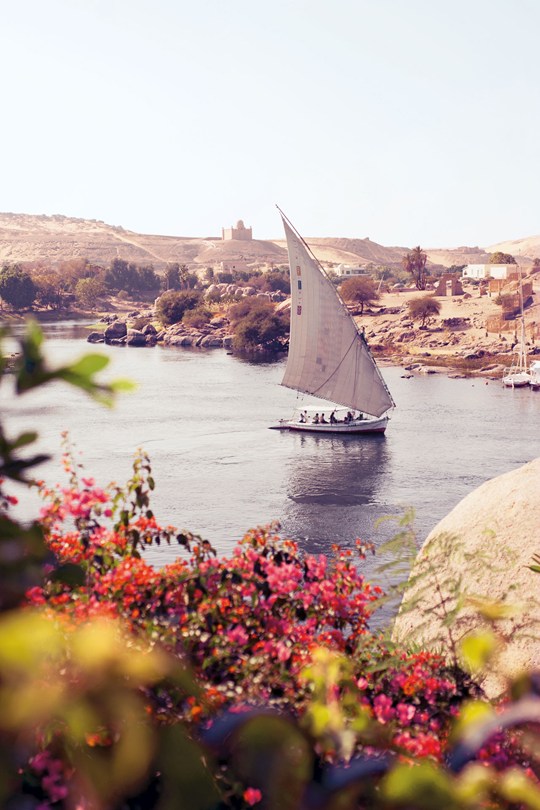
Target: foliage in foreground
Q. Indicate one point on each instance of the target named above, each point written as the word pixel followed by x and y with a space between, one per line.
pixel 229 682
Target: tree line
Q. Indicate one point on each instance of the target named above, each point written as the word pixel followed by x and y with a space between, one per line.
pixel 82 282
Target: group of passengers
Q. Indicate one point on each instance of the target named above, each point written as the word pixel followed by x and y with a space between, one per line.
pixel 321 419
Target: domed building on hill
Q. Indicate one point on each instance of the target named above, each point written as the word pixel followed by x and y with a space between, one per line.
pixel 240 232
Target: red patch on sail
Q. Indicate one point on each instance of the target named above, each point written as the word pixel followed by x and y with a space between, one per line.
pixel 299 309
pixel 298 270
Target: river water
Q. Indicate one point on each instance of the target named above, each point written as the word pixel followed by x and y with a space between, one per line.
pixel 203 417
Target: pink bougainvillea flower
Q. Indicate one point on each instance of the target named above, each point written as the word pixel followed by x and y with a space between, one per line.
pixel 252 796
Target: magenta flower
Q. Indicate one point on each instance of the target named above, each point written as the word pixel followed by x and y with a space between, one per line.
pixel 382 707
pixel 252 796
pixel 237 635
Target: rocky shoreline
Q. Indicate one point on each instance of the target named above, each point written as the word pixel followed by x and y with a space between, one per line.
pixel 457 346
pixel 118 332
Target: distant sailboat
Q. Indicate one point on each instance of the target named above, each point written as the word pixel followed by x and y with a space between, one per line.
pixel 328 355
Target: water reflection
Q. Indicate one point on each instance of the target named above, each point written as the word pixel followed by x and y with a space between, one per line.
pixel 337 470
pixel 333 488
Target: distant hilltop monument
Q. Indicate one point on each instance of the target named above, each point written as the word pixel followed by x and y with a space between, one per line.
pixel 240 232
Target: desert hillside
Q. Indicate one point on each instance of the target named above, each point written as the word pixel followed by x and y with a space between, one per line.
pixel 528 247
pixel 29 238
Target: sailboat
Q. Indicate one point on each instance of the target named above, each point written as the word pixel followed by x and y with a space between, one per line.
pixel 518 375
pixel 328 354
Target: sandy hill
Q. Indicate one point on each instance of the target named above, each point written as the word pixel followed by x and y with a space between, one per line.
pixel 30 238
pixel 353 251
pixel 446 257
pixel 35 238
pixel 528 247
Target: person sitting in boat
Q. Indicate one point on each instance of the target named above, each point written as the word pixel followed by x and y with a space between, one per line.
pixel 316 419
pixel 323 420
pixel 349 417
pixel 303 417
pixel 333 419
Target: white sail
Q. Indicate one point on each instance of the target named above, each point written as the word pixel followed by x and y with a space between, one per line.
pixel 328 356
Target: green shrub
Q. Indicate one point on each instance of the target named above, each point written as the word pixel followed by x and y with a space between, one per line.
pixel 88 290
pixel 256 325
pixel 171 306
pixel 197 318
pixel 16 287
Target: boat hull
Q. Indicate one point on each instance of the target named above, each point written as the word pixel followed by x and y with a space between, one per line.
pixel 360 426
pixel 519 379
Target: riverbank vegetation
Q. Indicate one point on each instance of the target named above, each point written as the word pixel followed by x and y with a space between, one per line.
pixel 251 679
pixel 470 325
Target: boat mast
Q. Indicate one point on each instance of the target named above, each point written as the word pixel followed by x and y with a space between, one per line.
pixel 523 347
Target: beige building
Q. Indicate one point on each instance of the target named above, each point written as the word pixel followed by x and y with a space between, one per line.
pixel 240 232
pixel 489 270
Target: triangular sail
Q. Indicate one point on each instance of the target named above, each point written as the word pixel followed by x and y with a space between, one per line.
pixel 328 356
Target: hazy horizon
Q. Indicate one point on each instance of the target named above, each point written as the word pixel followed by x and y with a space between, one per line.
pixel 406 123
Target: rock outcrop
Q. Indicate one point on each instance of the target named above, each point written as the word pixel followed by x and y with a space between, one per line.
pixel 115 331
pixel 135 338
pixel 480 552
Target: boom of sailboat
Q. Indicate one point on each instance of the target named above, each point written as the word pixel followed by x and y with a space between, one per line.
pixel 329 357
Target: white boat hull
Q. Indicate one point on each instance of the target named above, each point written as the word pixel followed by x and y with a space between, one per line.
pixel 340 428
pixel 518 379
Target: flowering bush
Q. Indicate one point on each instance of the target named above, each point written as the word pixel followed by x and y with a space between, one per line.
pixel 248 623
pixel 246 680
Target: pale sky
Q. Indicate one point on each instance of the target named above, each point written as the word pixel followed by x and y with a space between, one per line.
pixel 408 121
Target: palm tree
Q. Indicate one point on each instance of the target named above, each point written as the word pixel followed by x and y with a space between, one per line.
pixel 414 263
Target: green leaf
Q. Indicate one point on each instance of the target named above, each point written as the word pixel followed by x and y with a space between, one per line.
pixel 472 712
pixel 24 439
pixel 123 385
pixel 69 574
pixel 89 364
pixel 423 786
pixel 518 789
pixel 34 334
pixel 477 649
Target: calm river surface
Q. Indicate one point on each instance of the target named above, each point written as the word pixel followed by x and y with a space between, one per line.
pixel 203 417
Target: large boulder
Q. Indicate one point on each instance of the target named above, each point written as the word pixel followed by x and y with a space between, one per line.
pixel 478 555
pixel 115 330
pixel 211 342
pixel 96 337
pixel 135 338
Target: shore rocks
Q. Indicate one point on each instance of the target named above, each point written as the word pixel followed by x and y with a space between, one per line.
pixel 479 554
pixel 96 337
pixel 115 330
pixel 135 338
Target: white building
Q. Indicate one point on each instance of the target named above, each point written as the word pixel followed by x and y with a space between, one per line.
pixel 349 270
pixel 500 271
